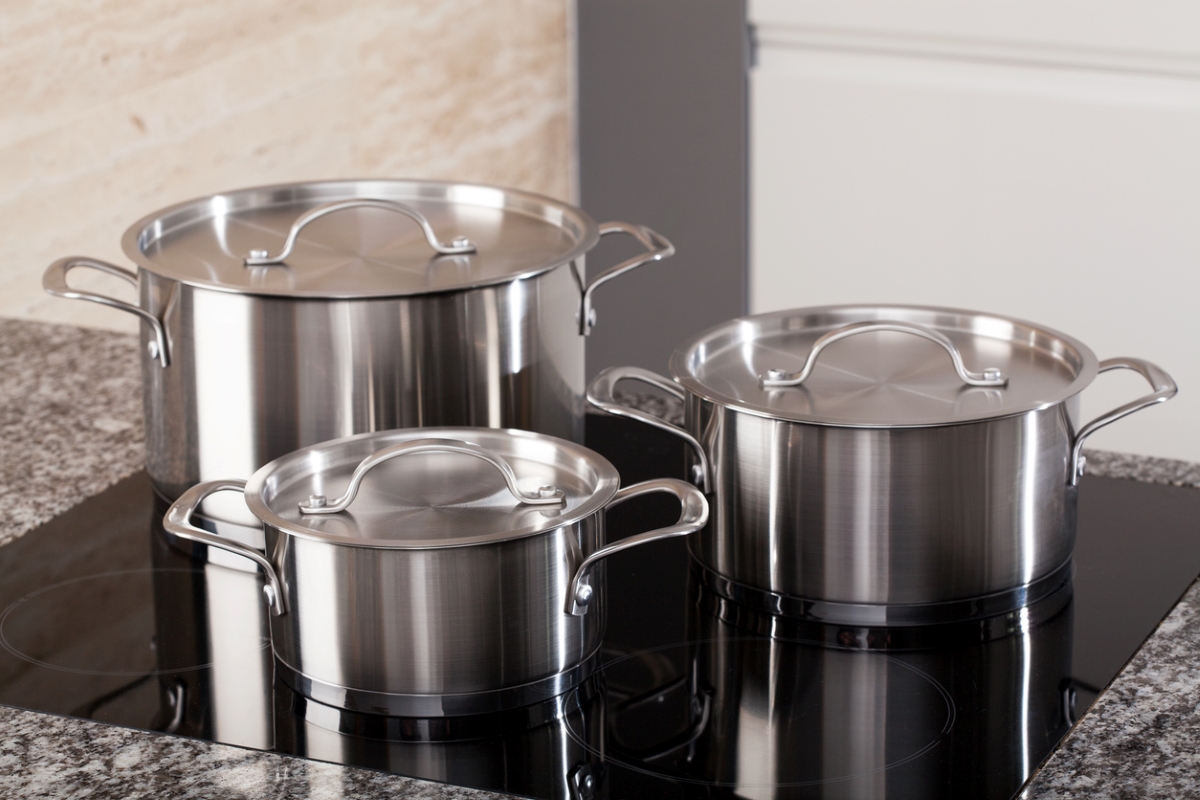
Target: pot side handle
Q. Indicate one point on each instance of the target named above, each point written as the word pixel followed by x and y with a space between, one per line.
pixel 658 247
pixel 54 281
pixel 178 521
pixel 1164 389
pixel 692 517
pixel 600 395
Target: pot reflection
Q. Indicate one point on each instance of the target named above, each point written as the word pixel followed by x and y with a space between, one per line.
pixel 551 750
pixel 211 612
pixel 822 712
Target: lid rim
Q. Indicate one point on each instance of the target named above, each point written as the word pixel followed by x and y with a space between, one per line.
pixel 606 487
pixel 131 239
pixel 685 377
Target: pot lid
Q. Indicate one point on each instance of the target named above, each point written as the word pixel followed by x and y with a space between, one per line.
pixel 359 238
pixel 883 366
pixel 431 487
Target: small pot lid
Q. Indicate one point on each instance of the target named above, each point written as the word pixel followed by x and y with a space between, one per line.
pixel 883 366
pixel 432 487
pixel 359 238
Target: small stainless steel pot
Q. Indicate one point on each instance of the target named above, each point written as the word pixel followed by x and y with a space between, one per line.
pixel 282 316
pixel 466 578
pixel 881 481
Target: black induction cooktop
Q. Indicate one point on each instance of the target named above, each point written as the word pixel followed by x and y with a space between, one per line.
pixel 101 617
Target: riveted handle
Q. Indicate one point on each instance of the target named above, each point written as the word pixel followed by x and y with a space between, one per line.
pixel 600 394
pixel 776 378
pixel 54 281
pixel 1164 389
pixel 657 248
pixel 543 495
pixel 693 515
pixel 457 246
pixel 179 522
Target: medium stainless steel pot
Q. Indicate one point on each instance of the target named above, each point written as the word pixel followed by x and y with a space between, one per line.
pixel 465 578
pixel 878 480
pixel 282 316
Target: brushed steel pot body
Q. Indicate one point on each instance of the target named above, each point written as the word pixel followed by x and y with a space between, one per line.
pixel 435 632
pixel 357 323
pixel 254 377
pixel 880 516
pixel 442 605
pixel 898 488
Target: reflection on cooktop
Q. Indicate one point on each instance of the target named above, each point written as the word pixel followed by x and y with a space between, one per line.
pixel 101 616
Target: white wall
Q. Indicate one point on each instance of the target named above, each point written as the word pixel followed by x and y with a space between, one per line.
pixel 1040 160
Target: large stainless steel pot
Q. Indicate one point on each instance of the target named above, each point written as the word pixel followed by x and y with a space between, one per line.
pixel 465 578
pixel 282 316
pixel 878 480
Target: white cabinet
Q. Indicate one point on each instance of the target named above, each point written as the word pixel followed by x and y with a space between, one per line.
pixel 1040 160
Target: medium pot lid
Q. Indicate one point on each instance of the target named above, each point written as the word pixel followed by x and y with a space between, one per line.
pixel 359 238
pixel 883 366
pixel 432 487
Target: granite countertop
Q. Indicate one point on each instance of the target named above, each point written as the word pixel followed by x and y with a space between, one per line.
pixel 70 426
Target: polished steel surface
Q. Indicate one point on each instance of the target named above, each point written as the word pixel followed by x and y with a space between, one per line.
pixel 986 377
pixel 261 258
pixel 254 378
pixel 544 494
pixel 432 499
pixel 657 248
pixel 361 330
pixel 1164 389
pixel 882 378
pixel 693 515
pixel 901 516
pixel 54 281
pixel 846 520
pixel 362 252
pixel 426 627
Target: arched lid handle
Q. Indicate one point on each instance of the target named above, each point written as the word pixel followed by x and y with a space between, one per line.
pixel 457 246
pixel 543 495
pixel 779 378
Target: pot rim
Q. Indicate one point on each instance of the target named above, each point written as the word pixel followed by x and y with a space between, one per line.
pixel 161 222
pixel 606 486
pixel 687 352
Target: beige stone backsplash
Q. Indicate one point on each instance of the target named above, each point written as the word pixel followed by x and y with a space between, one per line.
pixel 109 111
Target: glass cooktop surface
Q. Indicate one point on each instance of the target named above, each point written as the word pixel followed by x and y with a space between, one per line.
pixel 103 617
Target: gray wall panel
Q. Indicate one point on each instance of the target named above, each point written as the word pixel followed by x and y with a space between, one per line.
pixel 662 140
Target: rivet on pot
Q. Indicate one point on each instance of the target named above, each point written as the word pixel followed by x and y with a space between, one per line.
pixel 316 501
pixel 583 595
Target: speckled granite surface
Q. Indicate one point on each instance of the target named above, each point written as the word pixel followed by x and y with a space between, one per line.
pixel 70 418
pixel 1141 738
pixel 70 426
pixel 51 757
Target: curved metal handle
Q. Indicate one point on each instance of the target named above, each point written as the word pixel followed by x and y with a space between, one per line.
pixel 657 248
pixel 692 517
pixel 54 281
pixel 600 394
pixel 261 258
pixel 179 522
pixel 778 377
pixel 1164 389
pixel 544 495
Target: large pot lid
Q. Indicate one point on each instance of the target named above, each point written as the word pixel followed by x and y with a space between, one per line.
pixel 881 376
pixel 438 489
pixel 374 250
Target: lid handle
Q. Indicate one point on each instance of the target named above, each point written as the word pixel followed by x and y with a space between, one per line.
pixel 457 246
pixel 779 377
pixel 543 495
